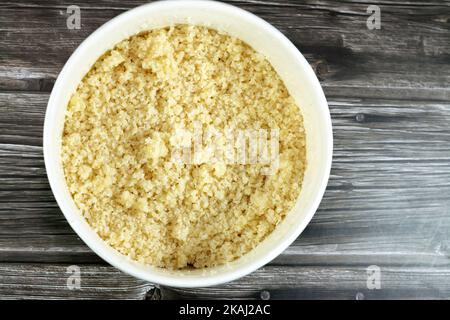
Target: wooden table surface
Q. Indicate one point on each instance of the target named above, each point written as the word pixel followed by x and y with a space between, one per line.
pixel 388 199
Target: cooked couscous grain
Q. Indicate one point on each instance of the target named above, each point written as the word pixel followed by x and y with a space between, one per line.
pixel 120 133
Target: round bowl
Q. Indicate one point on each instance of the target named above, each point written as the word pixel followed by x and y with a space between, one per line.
pixel 299 79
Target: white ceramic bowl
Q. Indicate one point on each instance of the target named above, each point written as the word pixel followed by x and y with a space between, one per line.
pixel 285 58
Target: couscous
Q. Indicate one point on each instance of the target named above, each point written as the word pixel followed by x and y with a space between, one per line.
pixel 123 125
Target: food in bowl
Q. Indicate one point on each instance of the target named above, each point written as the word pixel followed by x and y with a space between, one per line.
pixel 141 104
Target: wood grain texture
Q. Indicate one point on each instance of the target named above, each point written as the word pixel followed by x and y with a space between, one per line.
pixel 408 57
pixel 35 281
pixel 388 198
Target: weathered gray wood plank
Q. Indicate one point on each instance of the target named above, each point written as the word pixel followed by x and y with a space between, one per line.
pixel 407 58
pixel 315 282
pixel 37 281
pixel 326 283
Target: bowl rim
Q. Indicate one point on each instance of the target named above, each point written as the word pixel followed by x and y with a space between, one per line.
pixel 167 279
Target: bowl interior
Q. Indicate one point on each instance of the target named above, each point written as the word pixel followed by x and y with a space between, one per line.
pixel 285 58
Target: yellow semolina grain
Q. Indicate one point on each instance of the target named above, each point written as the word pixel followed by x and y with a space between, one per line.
pixel 120 132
